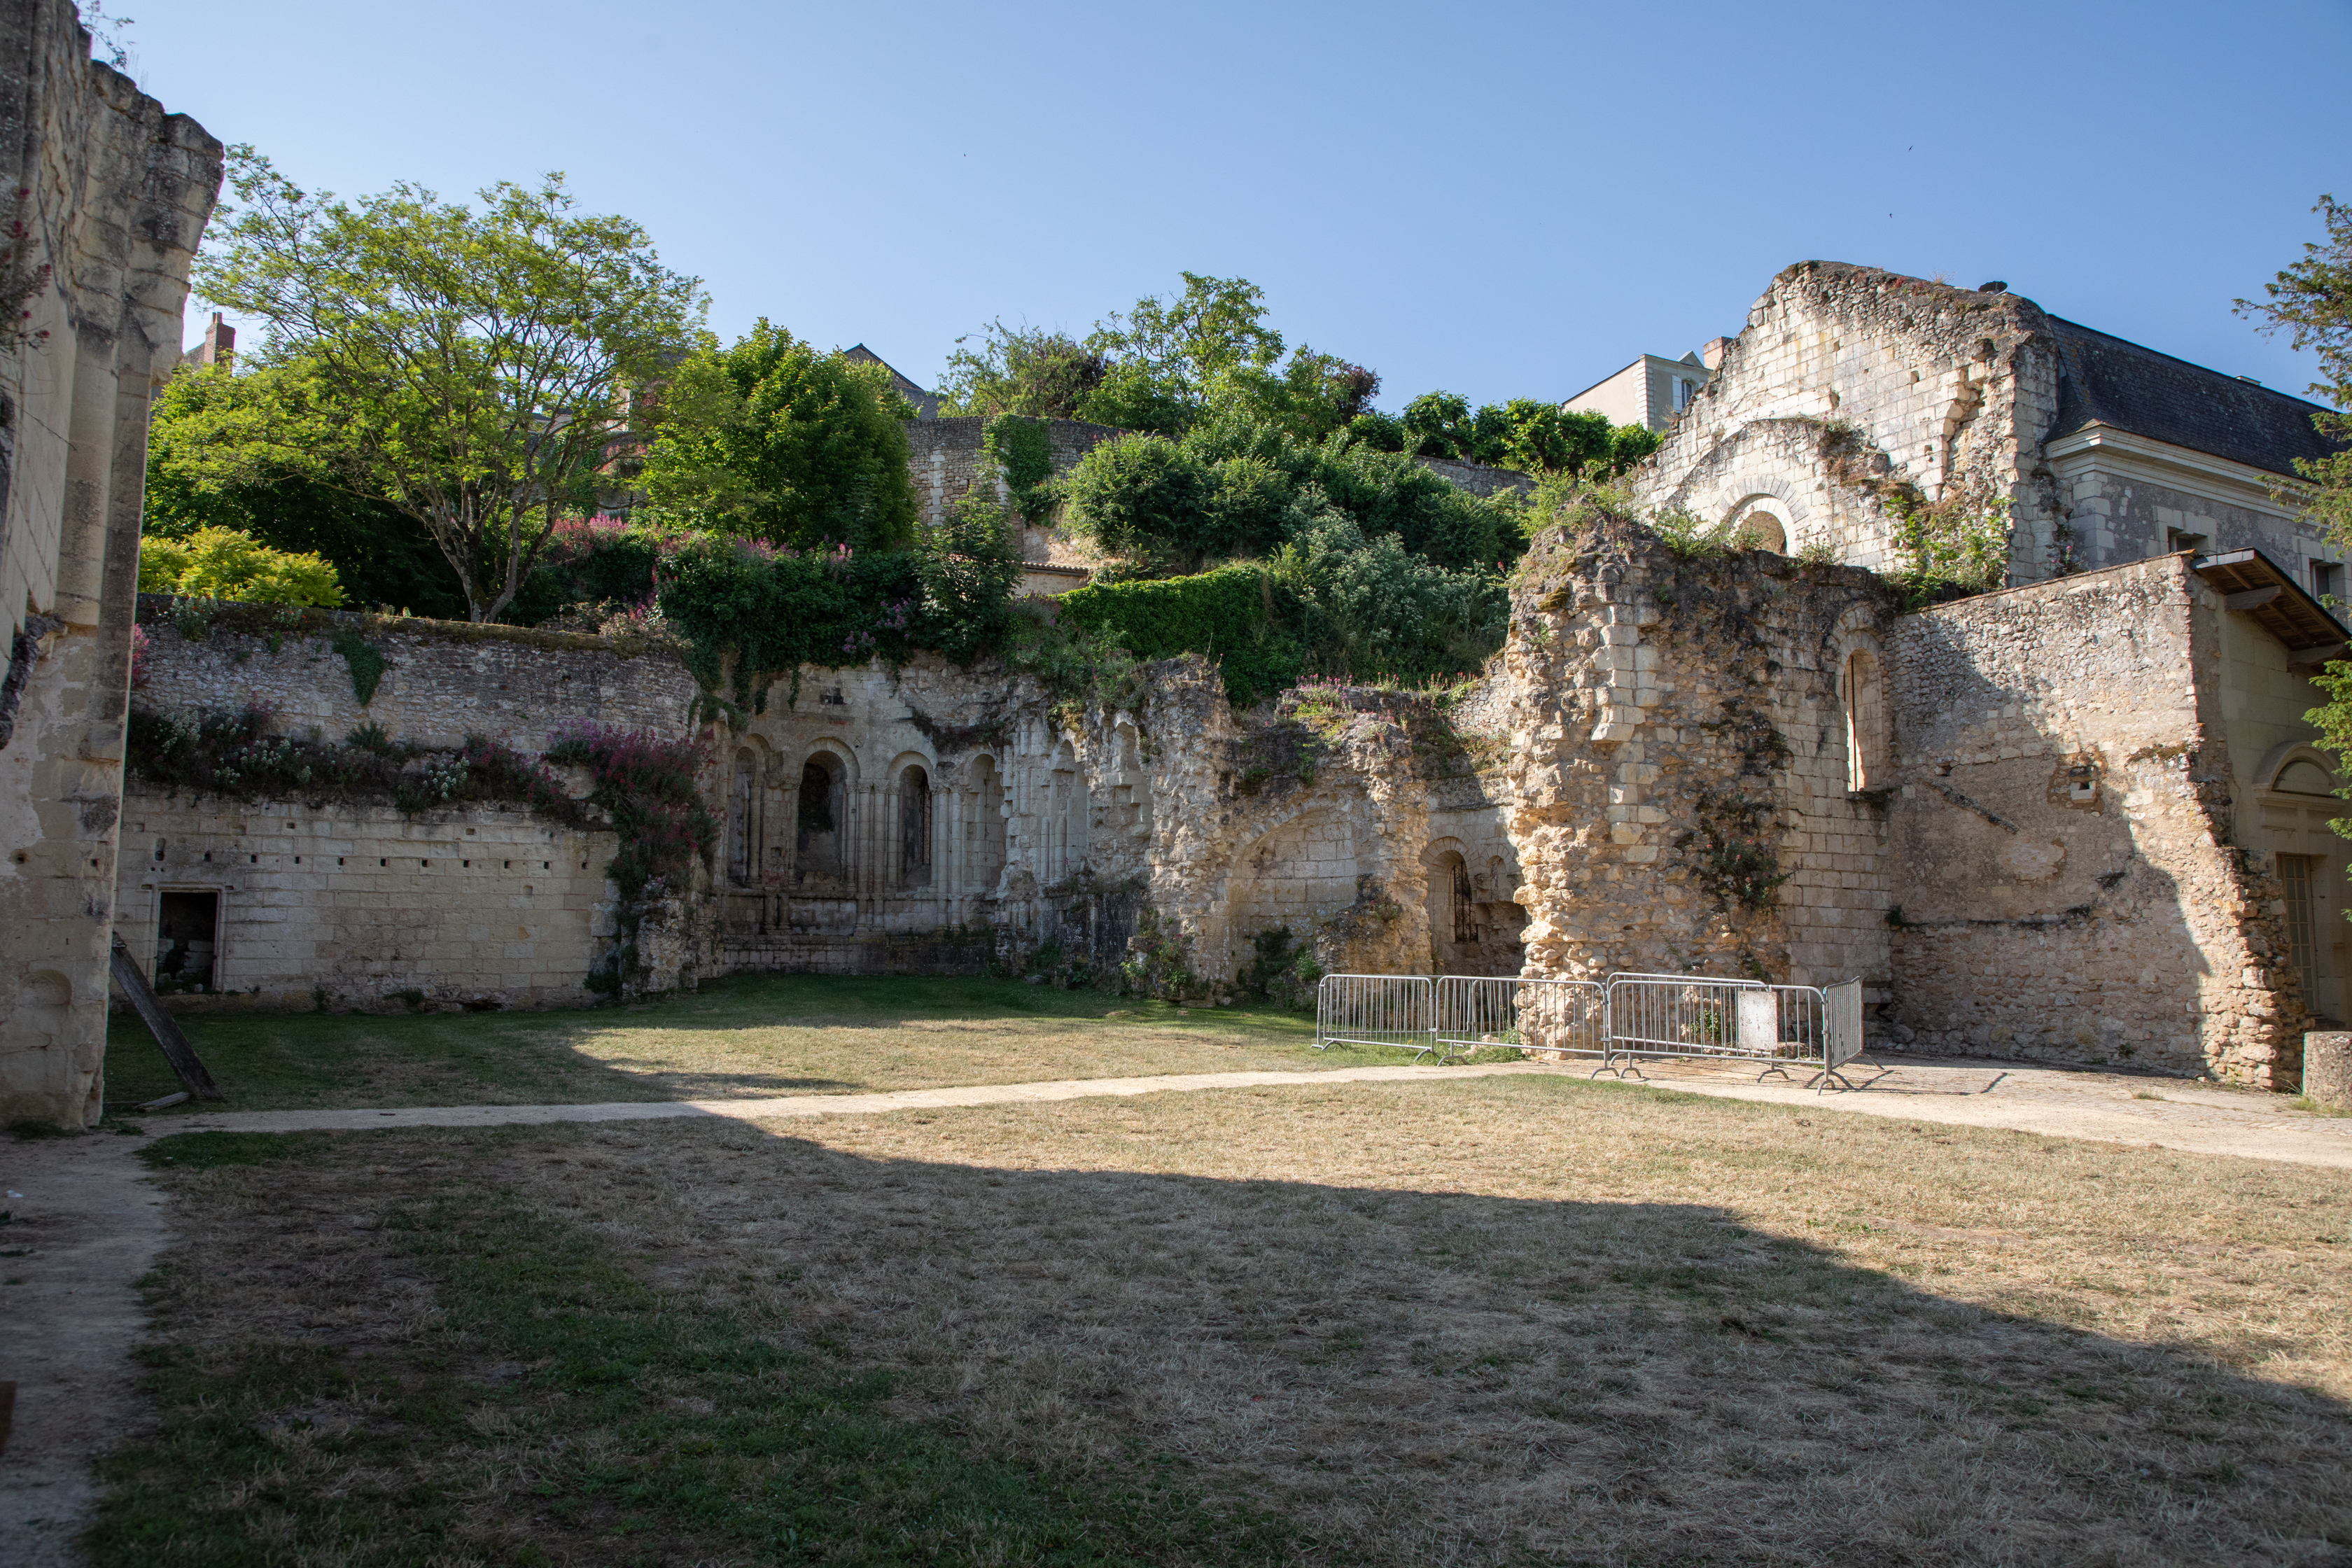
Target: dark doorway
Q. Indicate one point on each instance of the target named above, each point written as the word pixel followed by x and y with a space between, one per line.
pixel 186 933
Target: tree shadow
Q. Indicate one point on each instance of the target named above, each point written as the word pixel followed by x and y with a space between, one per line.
pixel 1434 1375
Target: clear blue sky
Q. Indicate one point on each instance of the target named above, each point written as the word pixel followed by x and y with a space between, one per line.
pixel 1498 199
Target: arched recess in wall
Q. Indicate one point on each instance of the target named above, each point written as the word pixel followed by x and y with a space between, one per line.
pixel 2297 768
pixel 820 838
pixel 747 836
pixel 910 847
pixel 983 801
pixel 1761 523
pixel 1862 693
pixel 1298 873
pixel 1452 903
pixel 1068 813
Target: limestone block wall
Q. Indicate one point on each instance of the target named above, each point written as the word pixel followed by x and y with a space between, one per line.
pixel 1682 790
pixel 2061 836
pixel 1948 388
pixel 945 458
pixel 440 682
pixel 361 906
pixel 116 192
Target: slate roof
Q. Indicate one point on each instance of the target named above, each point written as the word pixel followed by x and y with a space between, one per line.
pixel 2106 381
pixel 926 403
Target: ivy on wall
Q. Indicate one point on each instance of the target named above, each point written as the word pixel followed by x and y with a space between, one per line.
pixel 1022 447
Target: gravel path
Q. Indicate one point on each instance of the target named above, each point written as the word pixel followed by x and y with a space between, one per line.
pixel 2115 1108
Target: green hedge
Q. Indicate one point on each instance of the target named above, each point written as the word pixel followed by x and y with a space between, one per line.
pixel 1238 616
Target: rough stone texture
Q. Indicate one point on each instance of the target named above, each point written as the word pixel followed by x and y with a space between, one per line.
pixel 1947 388
pixel 118 193
pixel 2061 841
pixel 947 460
pixel 1676 729
pixel 2327 1070
pixel 360 907
pixel 441 681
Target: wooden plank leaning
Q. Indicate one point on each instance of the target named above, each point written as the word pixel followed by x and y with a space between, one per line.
pixel 166 1030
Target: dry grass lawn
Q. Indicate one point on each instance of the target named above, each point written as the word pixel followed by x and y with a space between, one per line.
pixel 1502 1321
pixel 749 1037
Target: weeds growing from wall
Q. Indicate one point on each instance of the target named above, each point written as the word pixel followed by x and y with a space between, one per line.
pixel 647 786
pixel 1160 962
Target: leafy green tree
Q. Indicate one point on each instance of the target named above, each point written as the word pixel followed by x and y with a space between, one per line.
pixel 773 439
pixel 470 367
pixel 381 555
pixel 1233 486
pixel 224 564
pixel 1021 371
pixel 2312 303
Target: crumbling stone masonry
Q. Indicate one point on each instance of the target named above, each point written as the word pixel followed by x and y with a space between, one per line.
pixel 112 193
pixel 2067 882
pixel 1682 790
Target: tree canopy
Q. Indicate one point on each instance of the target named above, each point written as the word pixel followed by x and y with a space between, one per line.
pixel 470 367
pixel 381 555
pixel 771 439
pixel 2311 301
pixel 227 563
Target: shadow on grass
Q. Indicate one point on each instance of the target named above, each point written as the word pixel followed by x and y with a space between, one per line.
pixel 954 1362
pixel 743 1036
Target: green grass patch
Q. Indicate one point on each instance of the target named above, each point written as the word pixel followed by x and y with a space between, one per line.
pixel 558 1408
pixel 743 1036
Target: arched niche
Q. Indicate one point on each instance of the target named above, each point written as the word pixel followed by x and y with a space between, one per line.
pixel 1761 523
pixel 2297 768
pixel 911 790
pixel 821 817
pixel 1862 693
pixel 984 803
pixel 1068 817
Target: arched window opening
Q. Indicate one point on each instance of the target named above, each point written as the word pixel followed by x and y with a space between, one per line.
pixel 915 829
pixel 1068 821
pixel 2304 777
pixel 1760 530
pixel 1865 720
pixel 818 817
pixel 987 826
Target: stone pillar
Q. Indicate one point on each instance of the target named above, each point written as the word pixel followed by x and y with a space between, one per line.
pixel 116 192
pixel 2327 1069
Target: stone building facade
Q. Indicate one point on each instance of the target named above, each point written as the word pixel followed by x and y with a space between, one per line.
pixel 115 192
pixel 2019 818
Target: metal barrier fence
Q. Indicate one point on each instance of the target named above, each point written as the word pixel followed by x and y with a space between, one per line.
pixel 1395 1010
pixel 1704 1018
pixel 1628 1019
pixel 1563 1015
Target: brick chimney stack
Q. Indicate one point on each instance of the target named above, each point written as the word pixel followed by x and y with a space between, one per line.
pixel 1710 354
pixel 218 346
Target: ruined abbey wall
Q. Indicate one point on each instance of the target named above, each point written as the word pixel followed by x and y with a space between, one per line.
pixel 116 192
pixel 2066 880
pixel 2010 816
pixel 1680 789
pixel 1846 378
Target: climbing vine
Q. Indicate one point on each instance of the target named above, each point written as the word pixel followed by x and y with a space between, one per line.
pixel 1023 448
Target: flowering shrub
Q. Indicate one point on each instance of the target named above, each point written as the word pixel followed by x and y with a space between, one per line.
pixel 647 786
pixel 233 753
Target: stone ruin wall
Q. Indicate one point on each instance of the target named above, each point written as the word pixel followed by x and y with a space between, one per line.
pixel 118 191
pixel 1948 388
pixel 1675 730
pixel 2066 883
pixel 361 906
pixel 1658 727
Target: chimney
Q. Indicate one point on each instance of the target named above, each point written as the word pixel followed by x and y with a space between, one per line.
pixel 1711 354
pixel 218 346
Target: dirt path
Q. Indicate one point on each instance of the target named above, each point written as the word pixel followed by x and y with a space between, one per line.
pixel 2170 1113
pixel 83 1226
